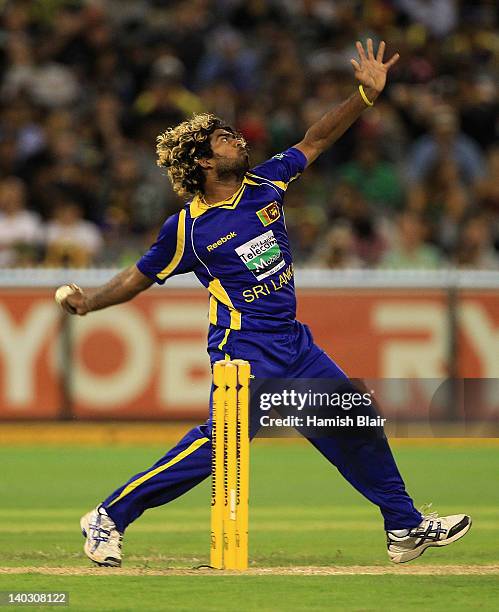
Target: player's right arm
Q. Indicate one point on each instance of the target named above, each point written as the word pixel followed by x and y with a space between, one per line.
pixel 170 255
pixel 121 288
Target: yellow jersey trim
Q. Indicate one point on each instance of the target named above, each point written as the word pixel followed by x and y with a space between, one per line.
pixel 224 341
pixel 281 184
pixel 198 207
pixel 216 289
pixel 218 293
pixel 179 250
pixel 212 316
pixel 235 319
pixel 185 453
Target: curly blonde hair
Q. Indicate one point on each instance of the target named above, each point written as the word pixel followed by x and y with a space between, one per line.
pixel 179 147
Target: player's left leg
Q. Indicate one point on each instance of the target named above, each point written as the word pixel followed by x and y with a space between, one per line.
pixel 366 461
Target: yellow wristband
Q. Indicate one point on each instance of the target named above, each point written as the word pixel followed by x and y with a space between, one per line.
pixel 364 97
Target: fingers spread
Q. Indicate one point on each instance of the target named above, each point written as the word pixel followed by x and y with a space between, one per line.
pixel 370 53
pixel 360 49
pixel 355 64
pixel 393 60
pixel 381 51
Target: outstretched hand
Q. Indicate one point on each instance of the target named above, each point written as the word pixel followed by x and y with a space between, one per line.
pixel 370 71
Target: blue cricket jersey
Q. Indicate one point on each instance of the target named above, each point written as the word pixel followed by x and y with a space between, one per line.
pixel 238 249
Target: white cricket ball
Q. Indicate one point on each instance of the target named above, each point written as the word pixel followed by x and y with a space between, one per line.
pixel 63 292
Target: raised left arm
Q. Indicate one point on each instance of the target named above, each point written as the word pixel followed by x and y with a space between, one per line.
pixel 371 73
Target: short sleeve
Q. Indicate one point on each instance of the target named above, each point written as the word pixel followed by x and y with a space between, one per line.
pixel 281 169
pixel 171 254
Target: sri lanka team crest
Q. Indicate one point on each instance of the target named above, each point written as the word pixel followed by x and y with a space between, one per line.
pixel 269 213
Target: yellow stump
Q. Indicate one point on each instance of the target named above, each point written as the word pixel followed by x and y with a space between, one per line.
pixel 230 445
pixel 230 465
pixel 217 459
pixel 242 491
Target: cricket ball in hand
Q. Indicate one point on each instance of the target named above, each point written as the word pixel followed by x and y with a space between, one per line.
pixel 63 292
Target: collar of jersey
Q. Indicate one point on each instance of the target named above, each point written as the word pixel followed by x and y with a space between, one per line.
pixel 197 207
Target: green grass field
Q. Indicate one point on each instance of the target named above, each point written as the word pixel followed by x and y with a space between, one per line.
pixel 302 515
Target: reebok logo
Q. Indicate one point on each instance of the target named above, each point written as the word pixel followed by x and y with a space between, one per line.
pixel 221 241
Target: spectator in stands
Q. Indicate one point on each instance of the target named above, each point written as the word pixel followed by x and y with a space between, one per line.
pixel 487 190
pixel 70 240
pixel 438 16
pixel 165 101
pixel 376 179
pixel 475 249
pixel 131 200
pixel 68 164
pixel 229 58
pixel 479 108
pixel 348 204
pixel 410 251
pixel 20 229
pixel 307 233
pixel 109 119
pixel 445 140
pixel 444 200
pixel 20 71
pixel 337 249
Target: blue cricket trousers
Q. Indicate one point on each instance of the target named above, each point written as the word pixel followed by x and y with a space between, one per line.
pixel 367 464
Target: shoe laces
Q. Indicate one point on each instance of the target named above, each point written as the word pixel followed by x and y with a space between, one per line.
pixel 104 530
pixel 427 512
pixel 430 528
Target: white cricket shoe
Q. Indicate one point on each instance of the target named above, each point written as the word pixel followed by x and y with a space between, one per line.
pixel 432 531
pixel 103 540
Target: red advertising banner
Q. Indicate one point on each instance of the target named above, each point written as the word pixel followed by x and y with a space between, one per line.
pixel 29 381
pixel 147 359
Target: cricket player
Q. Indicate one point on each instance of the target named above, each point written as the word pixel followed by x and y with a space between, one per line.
pixel 231 234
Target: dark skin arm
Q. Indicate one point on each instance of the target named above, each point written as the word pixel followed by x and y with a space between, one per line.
pixel 371 73
pixel 123 287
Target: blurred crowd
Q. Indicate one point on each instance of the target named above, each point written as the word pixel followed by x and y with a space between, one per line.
pixel 86 86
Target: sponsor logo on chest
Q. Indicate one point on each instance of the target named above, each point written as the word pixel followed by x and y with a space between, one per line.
pixel 262 255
